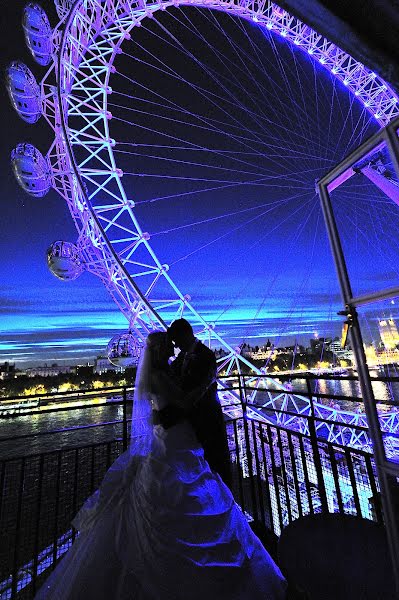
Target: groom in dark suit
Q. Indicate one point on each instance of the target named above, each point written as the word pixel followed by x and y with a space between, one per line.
pixel 195 372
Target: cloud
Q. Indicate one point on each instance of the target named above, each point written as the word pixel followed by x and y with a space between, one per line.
pixel 388 276
pixel 73 321
pixel 12 305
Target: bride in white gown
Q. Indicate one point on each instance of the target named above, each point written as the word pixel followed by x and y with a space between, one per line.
pixel 162 525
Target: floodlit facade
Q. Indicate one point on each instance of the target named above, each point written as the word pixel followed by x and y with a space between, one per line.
pixel 389 333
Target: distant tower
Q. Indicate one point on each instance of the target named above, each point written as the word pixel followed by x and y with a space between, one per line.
pixel 389 333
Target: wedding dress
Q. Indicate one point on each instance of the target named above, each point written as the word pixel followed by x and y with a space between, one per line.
pixel 164 527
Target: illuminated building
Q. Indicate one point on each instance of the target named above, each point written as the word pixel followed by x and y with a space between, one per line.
pixel 102 365
pixel 7 370
pixel 48 370
pixel 389 333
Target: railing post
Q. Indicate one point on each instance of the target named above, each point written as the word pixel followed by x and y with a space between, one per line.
pixel 315 449
pixel 243 398
pixel 2 479
pixel 124 443
pixel 14 575
pixel 56 509
pixel 37 525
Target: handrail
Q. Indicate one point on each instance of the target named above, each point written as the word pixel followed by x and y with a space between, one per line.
pixel 69 393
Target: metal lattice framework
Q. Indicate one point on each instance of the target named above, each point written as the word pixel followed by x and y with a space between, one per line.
pixel 343 427
pixel 74 98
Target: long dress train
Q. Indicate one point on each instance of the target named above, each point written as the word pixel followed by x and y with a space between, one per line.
pixel 164 527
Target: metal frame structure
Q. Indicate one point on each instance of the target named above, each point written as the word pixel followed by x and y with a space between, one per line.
pixel 388 471
pixel 121 254
pixel 74 99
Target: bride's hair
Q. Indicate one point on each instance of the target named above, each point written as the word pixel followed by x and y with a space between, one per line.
pixel 156 339
pixel 153 356
pixel 156 345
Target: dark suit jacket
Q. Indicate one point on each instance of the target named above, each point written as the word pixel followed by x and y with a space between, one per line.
pixel 199 369
pixel 205 413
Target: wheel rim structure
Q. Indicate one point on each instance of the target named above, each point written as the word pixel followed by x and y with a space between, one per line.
pixel 74 96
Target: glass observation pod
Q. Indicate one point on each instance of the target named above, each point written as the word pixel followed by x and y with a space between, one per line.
pixel 124 350
pixel 24 91
pixel 31 170
pixel 38 33
pixel 64 261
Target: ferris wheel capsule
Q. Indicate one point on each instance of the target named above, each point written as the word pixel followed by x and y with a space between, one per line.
pixel 124 350
pixel 63 7
pixel 31 170
pixel 64 261
pixel 38 33
pixel 24 91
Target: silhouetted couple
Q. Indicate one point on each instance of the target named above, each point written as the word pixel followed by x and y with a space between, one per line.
pixel 194 373
pixel 163 525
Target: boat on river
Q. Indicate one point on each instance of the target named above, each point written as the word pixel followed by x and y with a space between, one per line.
pixel 10 408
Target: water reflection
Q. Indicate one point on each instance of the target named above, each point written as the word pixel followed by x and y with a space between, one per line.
pixel 37 424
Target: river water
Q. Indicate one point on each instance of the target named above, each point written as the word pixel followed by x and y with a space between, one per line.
pixel 32 434
pixel 36 433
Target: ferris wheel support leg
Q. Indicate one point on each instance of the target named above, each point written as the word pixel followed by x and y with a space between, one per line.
pixel 385 469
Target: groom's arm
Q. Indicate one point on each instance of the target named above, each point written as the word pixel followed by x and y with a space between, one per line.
pixel 195 396
pixel 174 411
pixel 205 375
pixel 172 390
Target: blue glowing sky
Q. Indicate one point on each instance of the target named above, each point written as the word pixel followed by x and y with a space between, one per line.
pixel 273 278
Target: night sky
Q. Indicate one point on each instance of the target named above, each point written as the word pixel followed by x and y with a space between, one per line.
pixel 229 137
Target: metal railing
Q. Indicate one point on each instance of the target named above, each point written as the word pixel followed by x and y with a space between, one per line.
pixel 279 475
pixel 290 466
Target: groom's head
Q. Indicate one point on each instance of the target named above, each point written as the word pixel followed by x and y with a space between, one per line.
pixel 181 333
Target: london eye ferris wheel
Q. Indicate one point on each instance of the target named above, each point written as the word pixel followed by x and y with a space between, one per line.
pixel 82 164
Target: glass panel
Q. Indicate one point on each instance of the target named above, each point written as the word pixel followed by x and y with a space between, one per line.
pixel 380 329
pixel 366 208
